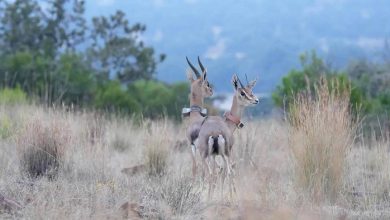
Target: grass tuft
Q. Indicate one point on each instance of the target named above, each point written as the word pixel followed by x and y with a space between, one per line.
pixel 41 147
pixel 158 146
pixel 322 131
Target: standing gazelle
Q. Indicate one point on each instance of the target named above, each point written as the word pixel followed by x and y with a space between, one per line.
pixel 200 89
pixel 216 133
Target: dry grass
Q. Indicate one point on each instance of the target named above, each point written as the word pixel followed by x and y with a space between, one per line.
pixel 158 144
pixel 89 183
pixel 322 132
pixel 41 146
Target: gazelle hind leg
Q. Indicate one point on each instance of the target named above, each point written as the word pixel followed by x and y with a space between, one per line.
pixel 232 187
pixel 193 156
pixel 212 179
pixel 223 174
pixel 221 151
pixel 211 165
pixel 204 167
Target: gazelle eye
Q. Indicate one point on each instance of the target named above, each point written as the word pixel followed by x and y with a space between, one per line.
pixel 242 93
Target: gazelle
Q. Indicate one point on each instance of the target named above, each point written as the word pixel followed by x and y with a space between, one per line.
pixel 216 133
pixel 200 89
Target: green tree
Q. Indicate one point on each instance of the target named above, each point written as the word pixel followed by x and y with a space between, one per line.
pixel 117 50
pixel 53 55
pixel 76 81
pixel 373 79
pixel 113 98
pixel 153 96
pixel 313 68
pixel 25 26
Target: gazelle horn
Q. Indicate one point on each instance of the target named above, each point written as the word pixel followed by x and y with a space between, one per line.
pixel 240 82
pixel 193 68
pixel 201 66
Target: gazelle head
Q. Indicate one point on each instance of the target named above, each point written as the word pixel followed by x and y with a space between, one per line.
pixel 244 94
pixel 199 85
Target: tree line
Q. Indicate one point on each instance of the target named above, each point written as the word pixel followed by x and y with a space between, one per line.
pixel 52 52
pixel 368 83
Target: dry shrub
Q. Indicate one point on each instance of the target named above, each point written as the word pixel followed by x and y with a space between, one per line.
pixel 174 195
pixel 118 135
pixel 368 175
pixel 41 147
pixel 119 143
pixel 158 143
pixel 95 127
pixel 321 133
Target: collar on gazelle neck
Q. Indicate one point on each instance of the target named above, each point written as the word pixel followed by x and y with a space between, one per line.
pixel 236 120
pixel 194 108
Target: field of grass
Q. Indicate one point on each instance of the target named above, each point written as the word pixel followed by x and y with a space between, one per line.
pixel 64 164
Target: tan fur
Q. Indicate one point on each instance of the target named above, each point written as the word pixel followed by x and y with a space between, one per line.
pixel 200 89
pixel 216 126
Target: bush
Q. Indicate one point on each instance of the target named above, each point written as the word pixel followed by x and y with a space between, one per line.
pixel 321 132
pixel 113 98
pixel 41 147
pixel 12 96
pixel 119 143
pixel 159 99
pixel 157 148
pixel 303 80
pixel 156 159
pixel 175 196
pixel 5 127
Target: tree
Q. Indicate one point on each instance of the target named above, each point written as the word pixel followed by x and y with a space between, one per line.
pixel 111 97
pixel 53 55
pixel 304 80
pixel 118 51
pixel 25 26
pixel 373 80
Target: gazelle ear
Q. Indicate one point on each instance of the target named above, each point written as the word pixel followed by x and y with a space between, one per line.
pixel 252 84
pixel 235 81
pixel 204 75
pixel 190 76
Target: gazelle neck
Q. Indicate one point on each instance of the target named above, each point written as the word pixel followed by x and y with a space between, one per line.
pixel 236 110
pixel 195 99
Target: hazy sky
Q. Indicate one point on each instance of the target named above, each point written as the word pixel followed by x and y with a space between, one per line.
pixel 259 38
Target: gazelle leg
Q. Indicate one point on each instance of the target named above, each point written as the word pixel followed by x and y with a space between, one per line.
pixel 223 175
pixel 193 156
pixel 204 167
pixel 211 174
pixel 230 177
pixel 221 151
pixel 214 173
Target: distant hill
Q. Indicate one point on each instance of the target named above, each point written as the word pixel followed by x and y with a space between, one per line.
pixel 260 38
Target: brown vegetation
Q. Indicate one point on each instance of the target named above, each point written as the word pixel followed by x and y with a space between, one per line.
pixel 322 132
pixel 89 184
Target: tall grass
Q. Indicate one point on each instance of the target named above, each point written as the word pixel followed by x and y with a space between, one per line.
pixel 41 146
pixel 90 184
pixel 158 144
pixel 322 131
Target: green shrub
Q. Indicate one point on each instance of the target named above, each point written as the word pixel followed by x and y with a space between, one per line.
pixel 313 68
pixel 5 127
pixel 12 96
pixel 113 98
